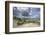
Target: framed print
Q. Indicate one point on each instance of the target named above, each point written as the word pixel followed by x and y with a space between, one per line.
pixel 24 17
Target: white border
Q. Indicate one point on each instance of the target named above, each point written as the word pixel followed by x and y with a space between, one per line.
pixel 11 29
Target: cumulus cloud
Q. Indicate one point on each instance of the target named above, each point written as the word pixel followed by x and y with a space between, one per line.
pixel 26 12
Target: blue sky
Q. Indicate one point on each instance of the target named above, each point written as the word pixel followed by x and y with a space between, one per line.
pixel 26 12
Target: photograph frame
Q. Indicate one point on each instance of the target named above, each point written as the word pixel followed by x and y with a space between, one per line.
pixel 7 16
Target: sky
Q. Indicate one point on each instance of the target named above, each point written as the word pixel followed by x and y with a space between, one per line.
pixel 26 12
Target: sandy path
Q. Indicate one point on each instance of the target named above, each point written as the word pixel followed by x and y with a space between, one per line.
pixel 29 25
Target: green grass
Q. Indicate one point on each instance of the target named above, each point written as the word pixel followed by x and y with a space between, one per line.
pixel 24 21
